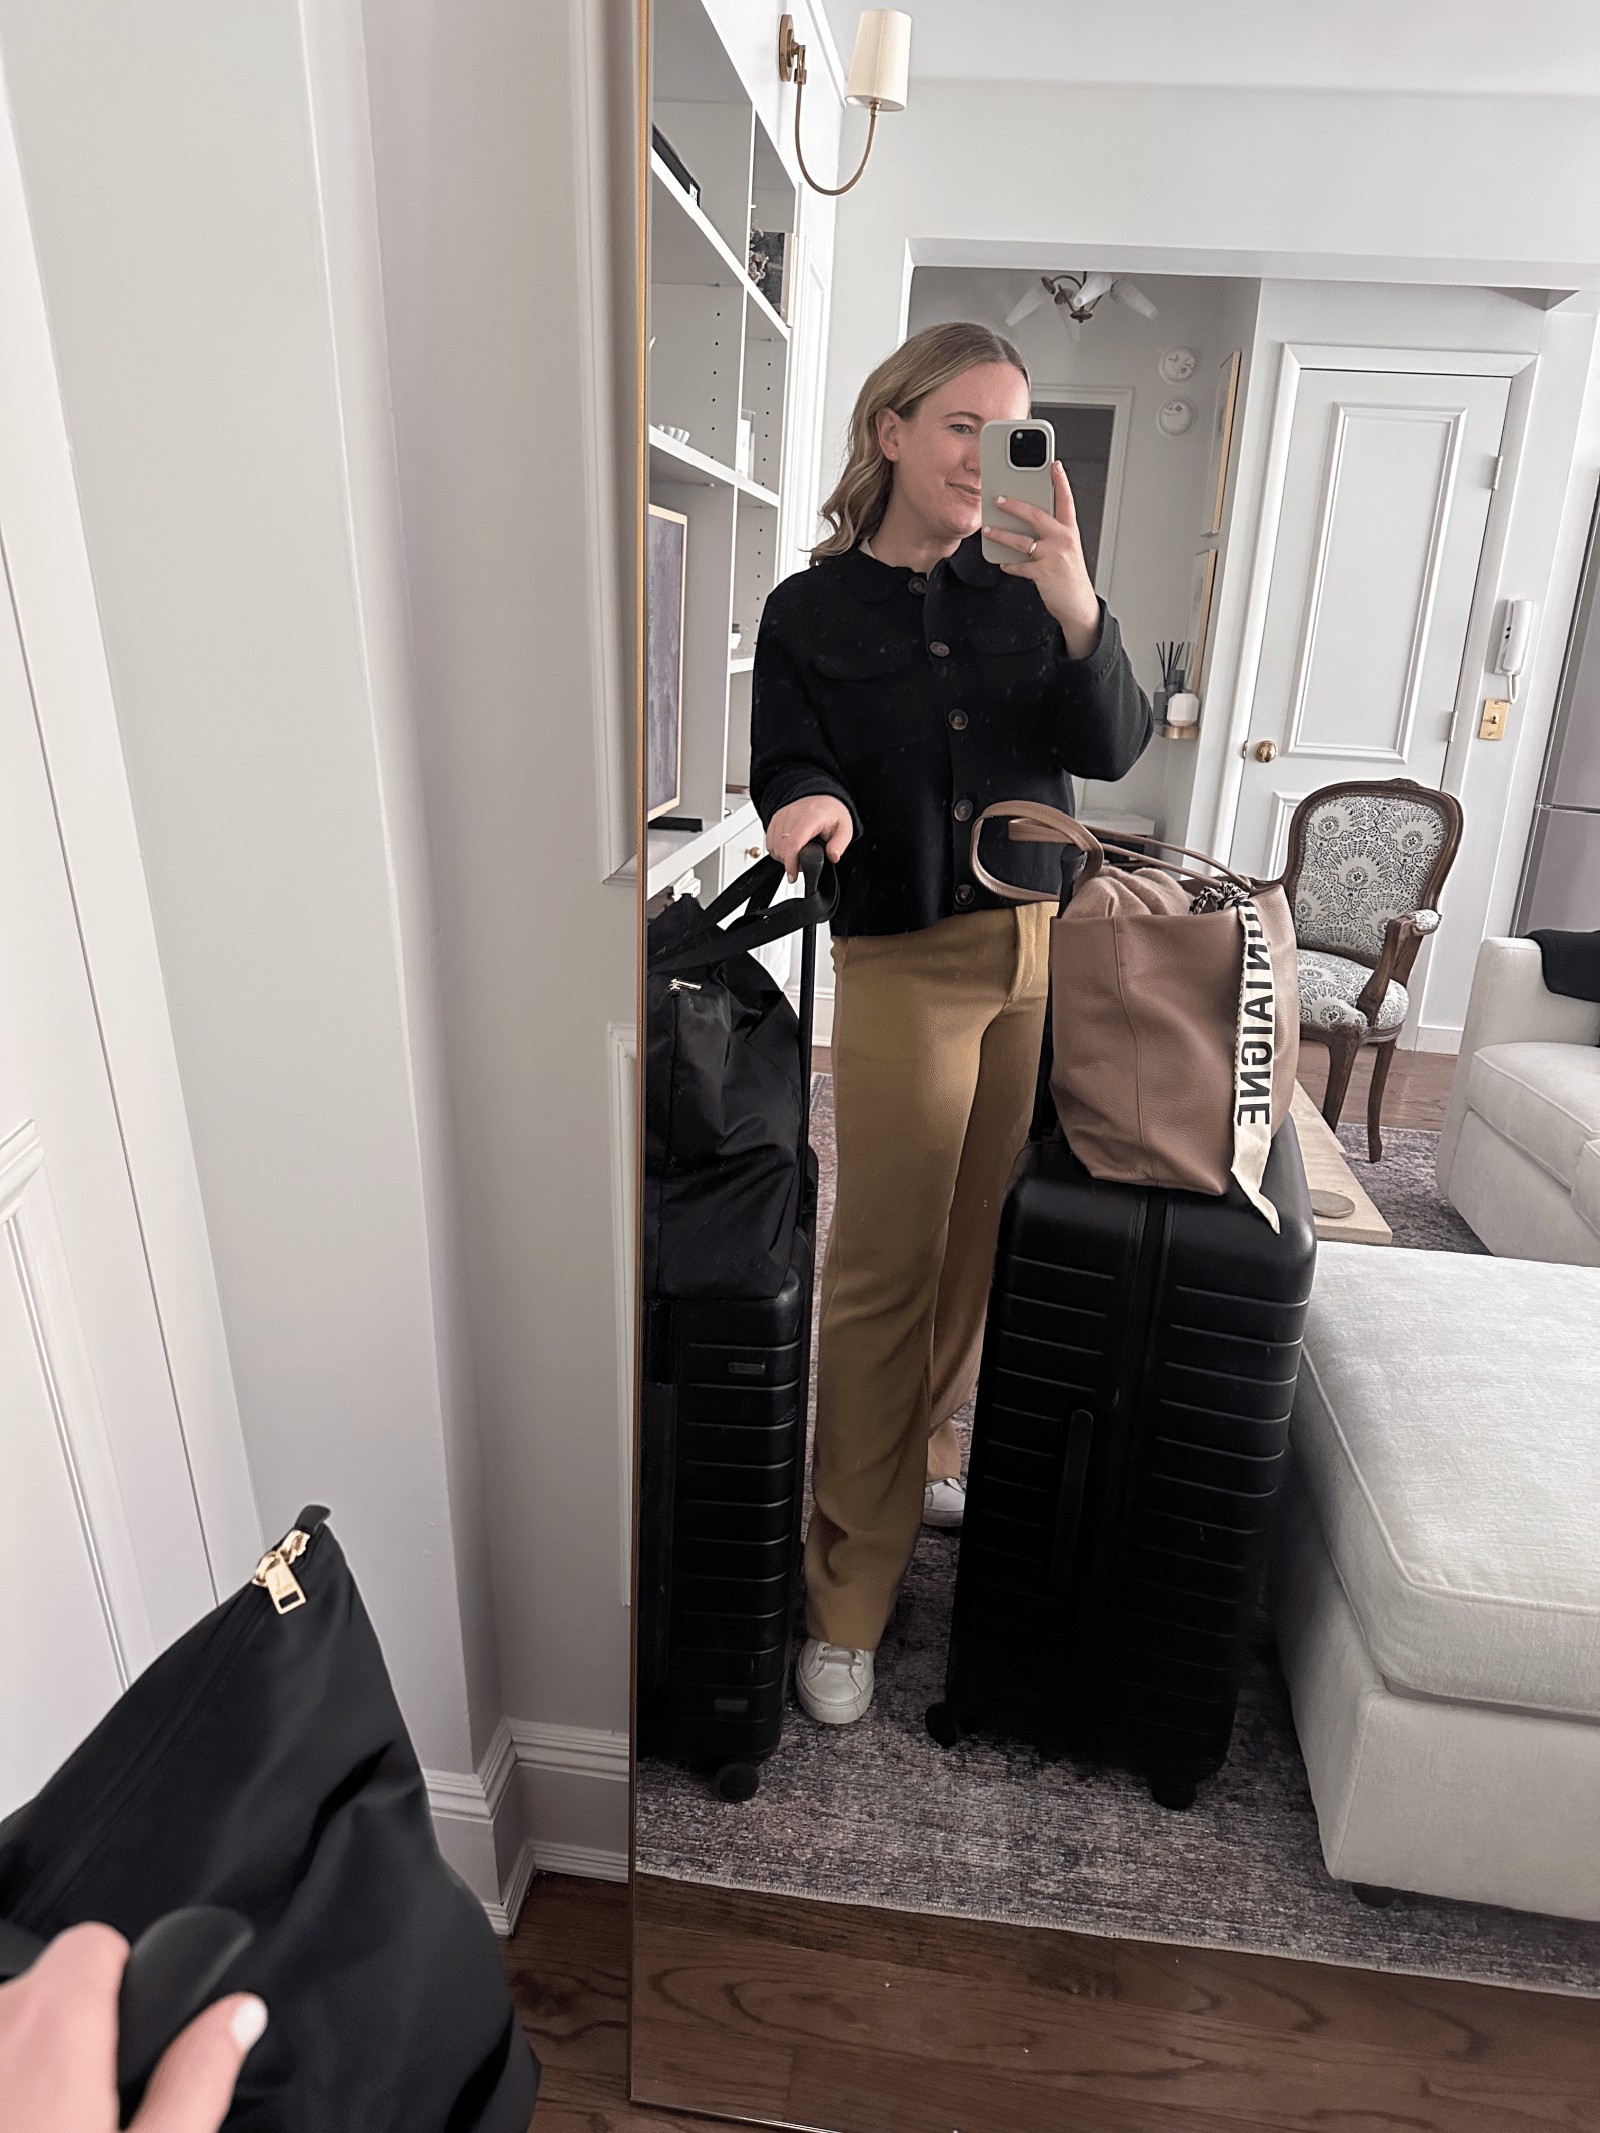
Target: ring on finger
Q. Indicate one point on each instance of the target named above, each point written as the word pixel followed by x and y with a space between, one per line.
pixel 1033 548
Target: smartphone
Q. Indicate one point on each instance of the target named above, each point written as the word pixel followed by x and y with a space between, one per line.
pixel 1014 459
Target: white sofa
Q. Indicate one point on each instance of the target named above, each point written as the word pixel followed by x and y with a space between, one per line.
pixel 1436 1583
pixel 1520 1151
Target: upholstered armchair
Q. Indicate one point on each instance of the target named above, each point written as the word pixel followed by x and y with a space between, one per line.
pixel 1365 867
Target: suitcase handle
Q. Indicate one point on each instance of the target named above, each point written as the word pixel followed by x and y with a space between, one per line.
pixel 1069 1511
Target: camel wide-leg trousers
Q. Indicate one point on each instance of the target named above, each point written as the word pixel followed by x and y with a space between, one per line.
pixel 936 1040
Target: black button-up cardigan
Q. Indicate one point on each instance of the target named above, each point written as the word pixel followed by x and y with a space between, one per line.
pixel 918 701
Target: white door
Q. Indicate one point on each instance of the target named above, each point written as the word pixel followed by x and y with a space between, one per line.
pixel 104 1559
pixel 1385 498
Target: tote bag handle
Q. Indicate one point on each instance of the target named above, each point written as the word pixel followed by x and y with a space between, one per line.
pixel 1033 822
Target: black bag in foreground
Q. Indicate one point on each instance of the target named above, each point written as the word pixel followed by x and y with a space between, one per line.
pixel 261 1764
pixel 725 1094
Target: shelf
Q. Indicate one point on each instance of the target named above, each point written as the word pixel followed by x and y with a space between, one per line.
pixel 674 853
pixel 687 248
pixel 671 461
pixel 742 663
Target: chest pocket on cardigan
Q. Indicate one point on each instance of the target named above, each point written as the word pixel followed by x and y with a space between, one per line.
pixel 993 639
pixel 870 716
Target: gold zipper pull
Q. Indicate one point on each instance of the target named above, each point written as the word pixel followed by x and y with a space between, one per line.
pixel 273 1572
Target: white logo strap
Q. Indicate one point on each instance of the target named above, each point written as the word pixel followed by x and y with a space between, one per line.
pixel 1255 1050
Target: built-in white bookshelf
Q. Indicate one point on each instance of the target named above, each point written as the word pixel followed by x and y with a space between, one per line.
pixel 719 351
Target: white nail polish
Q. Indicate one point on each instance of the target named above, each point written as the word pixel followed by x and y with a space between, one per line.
pixel 249 2020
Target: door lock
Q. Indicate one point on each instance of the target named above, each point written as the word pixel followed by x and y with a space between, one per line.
pixel 1265 751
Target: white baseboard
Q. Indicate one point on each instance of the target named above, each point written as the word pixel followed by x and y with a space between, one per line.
pixel 822 1017
pixel 545 1799
pixel 588 1861
pixel 1438 1037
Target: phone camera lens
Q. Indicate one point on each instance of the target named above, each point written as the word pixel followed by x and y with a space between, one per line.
pixel 1027 448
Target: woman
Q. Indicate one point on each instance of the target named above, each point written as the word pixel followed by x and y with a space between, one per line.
pixel 901 685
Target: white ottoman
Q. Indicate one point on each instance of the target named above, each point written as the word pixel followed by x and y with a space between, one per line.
pixel 1436 1576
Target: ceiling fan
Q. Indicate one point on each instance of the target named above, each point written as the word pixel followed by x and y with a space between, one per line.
pixel 1076 296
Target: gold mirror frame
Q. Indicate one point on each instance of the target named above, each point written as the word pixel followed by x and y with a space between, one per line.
pixel 792 2011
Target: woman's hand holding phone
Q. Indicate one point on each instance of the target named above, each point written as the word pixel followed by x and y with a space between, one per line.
pixel 793 827
pixel 1055 564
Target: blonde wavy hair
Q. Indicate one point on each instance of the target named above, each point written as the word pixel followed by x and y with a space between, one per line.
pixel 902 382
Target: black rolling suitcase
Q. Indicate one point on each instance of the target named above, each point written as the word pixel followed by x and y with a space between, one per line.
pixel 1131 1427
pixel 723 1436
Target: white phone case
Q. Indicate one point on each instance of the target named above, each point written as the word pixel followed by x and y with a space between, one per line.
pixel 1029 485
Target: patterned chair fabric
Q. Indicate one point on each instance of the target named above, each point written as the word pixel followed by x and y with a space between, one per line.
pixel 1366 859
pixel 1330 986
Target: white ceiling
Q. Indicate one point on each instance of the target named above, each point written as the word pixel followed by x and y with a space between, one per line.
pixel 1449 47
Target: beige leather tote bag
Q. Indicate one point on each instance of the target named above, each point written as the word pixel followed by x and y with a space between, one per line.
pixel 1175 1011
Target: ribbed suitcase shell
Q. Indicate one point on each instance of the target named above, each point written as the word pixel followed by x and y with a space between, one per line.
pixel 1131 1427
pixel 722 1464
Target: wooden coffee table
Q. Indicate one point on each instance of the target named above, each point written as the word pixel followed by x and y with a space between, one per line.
pixel 1328 1172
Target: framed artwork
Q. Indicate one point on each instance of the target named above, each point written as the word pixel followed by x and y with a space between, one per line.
pixel 1222 439
pixel 1201 586
pixel 666 553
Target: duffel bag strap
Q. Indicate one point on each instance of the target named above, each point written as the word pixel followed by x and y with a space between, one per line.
pixel 769 922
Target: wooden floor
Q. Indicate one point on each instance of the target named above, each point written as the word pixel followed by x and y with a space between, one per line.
pixel 791 2011
pixel 568 1966
pixel 878 2022
pixel 1419 1085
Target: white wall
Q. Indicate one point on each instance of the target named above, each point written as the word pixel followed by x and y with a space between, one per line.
pixel 478 113
pixel 168 157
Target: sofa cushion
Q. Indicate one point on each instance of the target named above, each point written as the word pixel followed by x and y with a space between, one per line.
pixel 1586 1185
pixel 1544 1098
pixel 1447 1419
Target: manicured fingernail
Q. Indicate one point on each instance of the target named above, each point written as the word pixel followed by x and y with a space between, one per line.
pixel 249 2020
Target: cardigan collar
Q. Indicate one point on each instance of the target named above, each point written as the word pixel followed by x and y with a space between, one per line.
pixel 871 580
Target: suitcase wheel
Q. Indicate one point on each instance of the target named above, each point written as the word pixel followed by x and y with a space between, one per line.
pixel 736 1781
pixel 943 1725
pixel 1172 1788
pixel 1370 1893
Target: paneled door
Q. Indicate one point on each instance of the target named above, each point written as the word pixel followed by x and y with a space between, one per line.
pixel 1384 503
pixel 104 1558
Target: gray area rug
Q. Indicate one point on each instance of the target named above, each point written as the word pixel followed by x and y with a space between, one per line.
pixel 876 1814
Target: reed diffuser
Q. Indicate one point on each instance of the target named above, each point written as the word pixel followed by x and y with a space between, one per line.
pixel 1177 708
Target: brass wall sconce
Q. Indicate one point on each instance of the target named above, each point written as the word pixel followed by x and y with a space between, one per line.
pixel 880 67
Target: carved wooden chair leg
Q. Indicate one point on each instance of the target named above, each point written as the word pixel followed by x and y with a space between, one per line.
pixel 1343 1046
pixel 1380 1075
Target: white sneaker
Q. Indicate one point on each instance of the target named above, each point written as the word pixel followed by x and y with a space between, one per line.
pixel 833 1682
pixel 944 1504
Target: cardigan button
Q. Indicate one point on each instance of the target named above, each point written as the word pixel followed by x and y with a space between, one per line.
pixel 958 722
pixel 939 651
pixel 963 810
pixel 916 585
pixel 964 893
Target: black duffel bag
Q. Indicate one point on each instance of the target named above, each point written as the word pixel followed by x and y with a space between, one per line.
pixel 727 1063
pixel 261 1765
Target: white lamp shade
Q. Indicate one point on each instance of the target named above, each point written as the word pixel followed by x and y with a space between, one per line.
pixel 880 65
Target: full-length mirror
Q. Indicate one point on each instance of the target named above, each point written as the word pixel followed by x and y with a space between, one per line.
pixel 1118 1460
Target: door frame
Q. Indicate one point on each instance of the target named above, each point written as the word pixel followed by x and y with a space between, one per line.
pixel 1296 357
pixel 1119 398
pixel 44 556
